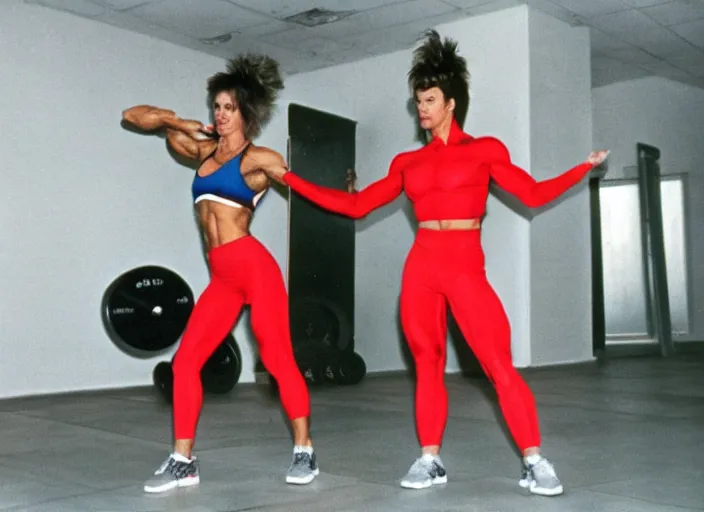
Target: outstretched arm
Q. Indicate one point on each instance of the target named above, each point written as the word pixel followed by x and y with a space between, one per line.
pixel 354 205
pixel 534 193
pixel 188 138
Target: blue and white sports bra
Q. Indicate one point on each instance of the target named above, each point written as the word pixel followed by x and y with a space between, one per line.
pixel 226 185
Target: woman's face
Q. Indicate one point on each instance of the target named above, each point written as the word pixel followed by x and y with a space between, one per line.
pixel 228 117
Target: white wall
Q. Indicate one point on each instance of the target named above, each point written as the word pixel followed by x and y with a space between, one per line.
pixel 500 102
pixel 83 199
pixel 560 244
pixel 100 200
pixel 670 116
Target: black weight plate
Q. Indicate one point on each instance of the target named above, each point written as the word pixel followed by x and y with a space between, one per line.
pixel 310 360
pixel 223 368
pixel 163 377
pixel 350 369
pixel 147 308
pixel 319 320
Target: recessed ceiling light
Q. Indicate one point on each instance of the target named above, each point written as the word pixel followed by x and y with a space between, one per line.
pixel 213 41
pixel 316 17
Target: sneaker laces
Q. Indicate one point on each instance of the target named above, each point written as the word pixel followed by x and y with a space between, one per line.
pixel 165 465
pixel 543 468
pixel 421 465
pixel 301 458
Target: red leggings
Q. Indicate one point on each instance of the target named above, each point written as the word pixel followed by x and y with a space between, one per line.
pixel 449 266
pixel 242 272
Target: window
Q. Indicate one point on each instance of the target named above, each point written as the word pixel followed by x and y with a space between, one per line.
pixel 625 290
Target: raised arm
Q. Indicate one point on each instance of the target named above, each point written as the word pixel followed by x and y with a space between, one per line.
pixel 530 192
pixel 187 137
pixel 355 204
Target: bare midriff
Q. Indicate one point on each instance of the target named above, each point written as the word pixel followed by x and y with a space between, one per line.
pixel 448 224
pixel 221 224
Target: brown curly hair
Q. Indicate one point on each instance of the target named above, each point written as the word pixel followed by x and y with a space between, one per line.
pixel 254 81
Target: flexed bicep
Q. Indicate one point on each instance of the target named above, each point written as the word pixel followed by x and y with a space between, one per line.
pixel 189 138
pixel 183 144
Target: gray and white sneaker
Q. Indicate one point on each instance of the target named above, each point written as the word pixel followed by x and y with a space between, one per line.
pixel 304 468
pixel 176 471
pixel 539 477
pixel 425 471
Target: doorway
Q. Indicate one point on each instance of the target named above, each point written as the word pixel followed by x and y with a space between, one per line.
pixel 642 265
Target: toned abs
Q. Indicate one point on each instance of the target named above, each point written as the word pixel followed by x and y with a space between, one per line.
pixel 221 223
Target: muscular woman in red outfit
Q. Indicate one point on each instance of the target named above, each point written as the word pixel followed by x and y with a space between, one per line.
pixel 448 181
pixel 230 180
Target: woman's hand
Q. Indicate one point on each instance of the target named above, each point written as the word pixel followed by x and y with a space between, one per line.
pixel 597 158
pixel 203 132
pixel 276 171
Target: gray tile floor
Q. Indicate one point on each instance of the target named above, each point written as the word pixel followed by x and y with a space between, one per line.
pixel 627 435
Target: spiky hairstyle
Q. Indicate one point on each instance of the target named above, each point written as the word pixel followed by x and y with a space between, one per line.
pixel 254 81
pixel 436 63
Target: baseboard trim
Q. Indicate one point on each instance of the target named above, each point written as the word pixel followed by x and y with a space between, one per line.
pixel 560 364
pixel 689 347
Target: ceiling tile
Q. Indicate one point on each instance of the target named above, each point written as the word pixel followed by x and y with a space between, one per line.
pixel 556 11
pixel 411 33
pixel 199 18
pixel 692 32
pixel 496 5
pixel 693 68
pixel 290 37
pixel 696 82
pixel 645 3
pixel 283 8
pixel 266 29
pixel 638 29
pixel 464 4
pixel 626 43
pixel 399 37
pixel 667 70
pixel 392 15
pixel 617 23
pixel 380 41
pixel 632 55
pixel 602 42
pixel 80 7
pixel 591 8
pixel 676 12
pixel 342 57
pixel 124 20
pixel 120 5
pixel 607 71
pixel 290 59
pixel 310 45
pixel 692 62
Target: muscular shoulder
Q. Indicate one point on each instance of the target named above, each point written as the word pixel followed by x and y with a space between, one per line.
pixel 206 148
pixel 492 148
pixel 401 160
pixel 265 157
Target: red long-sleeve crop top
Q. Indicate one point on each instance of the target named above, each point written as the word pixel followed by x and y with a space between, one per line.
pixel 444 181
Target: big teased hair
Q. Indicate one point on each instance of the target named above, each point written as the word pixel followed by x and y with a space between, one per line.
pixel 255 81
pixel 436 63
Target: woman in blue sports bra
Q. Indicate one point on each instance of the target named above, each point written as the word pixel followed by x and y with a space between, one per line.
pixel 231 179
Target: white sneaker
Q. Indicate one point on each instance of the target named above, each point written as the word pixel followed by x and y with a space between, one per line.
pixel 303 469
pixel 425 471
pixel 539 477
pixel 173 473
